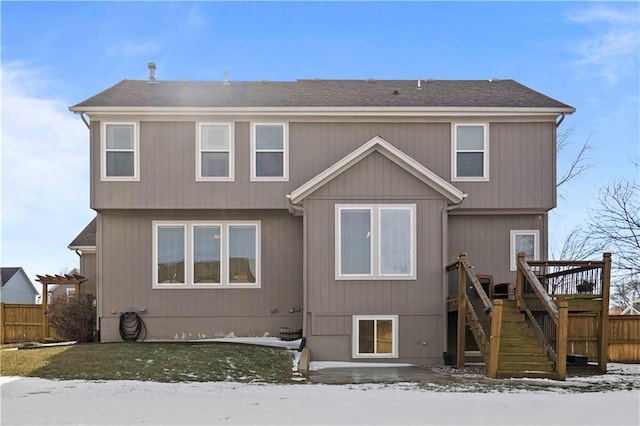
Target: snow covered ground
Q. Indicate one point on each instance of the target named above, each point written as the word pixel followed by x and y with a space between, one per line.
pixel 611 399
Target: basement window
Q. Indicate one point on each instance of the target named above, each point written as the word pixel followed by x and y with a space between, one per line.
pixel 375 336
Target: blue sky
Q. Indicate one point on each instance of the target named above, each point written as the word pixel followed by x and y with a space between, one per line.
pixel 57 54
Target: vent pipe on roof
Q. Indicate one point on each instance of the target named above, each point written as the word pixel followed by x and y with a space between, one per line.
pixel 419 87
pixel 226 78
pixel 152 71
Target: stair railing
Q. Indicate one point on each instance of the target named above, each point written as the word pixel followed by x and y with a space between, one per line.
pixel 549 321
pixel 474 306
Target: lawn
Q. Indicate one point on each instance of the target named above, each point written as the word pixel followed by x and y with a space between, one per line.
pixel 159 362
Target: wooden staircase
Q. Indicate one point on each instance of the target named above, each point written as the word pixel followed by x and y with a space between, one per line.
pixel 520 353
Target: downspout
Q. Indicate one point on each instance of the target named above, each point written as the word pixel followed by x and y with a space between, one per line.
pixel 445 252
pixel 562 115
pixel 299 210
pixel 84 120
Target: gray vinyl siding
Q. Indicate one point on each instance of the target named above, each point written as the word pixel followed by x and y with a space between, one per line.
pixel 486 239
pixel 332 303
pixel 88 270
pixel 126 280
pixel 521 166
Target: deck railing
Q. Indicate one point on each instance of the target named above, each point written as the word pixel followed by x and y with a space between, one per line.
pixel 570 281
pixel 474 306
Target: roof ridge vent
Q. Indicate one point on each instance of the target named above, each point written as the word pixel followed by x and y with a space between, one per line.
pixel 152 73
pixel 491 80
pixel 371 80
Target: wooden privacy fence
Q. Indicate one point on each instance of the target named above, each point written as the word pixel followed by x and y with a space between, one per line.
pixel 624 337
pixel 22 323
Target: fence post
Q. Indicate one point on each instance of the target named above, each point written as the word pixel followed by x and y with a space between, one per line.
pixel 563 326
pixel 462 291
pixel 519 280
pixel 603 349
pixel 45 301
pixel 1 323
pixel 496 330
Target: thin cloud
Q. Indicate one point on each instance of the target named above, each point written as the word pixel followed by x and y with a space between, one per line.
pixel 610 49
pixel 44 173
pixel 132 48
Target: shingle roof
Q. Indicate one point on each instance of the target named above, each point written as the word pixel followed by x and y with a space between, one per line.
pixel 7 273
pixel 87 237
pixel 322 93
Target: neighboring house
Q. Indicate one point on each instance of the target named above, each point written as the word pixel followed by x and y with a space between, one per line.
pixel 333 205
pixel 17 287
pixel 64 290
pixel 85 246
pixel 632 309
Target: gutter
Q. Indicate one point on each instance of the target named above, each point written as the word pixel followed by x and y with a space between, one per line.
pixel 445 250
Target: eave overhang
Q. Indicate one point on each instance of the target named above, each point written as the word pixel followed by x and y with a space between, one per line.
pixel 378 144
pixel 325 111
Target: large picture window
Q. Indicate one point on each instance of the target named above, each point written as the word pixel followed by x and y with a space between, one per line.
pixel 470 154
pixel 119 151
pixel 375 336
pixel 375 241
pixel 206 254
pixel 527 242
pixel 269 146
pixel 215 152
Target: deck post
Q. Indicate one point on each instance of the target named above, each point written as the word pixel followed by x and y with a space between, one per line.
pixel 496 327
pixel 462 284
pixel 519 280
pixel 603 349
pixel 563 326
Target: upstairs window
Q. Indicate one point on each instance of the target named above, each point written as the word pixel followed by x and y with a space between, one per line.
pixel 375 242
pixel 215 152
pixel 527 242
pixel 119 153
pixel 269 152
pixel 470 154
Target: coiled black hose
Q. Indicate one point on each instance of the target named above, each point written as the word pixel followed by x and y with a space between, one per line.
pixel 132 327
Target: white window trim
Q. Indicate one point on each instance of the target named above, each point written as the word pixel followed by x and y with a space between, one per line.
pixel 71 291
pixel 512 245
pixel 136 152
pixel 199 151
pixel 454 154
pixel 376 248
pixel 355 334
pixel 285 154
pixel 224 258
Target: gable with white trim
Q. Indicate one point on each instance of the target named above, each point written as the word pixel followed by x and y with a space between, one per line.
pixel 381 148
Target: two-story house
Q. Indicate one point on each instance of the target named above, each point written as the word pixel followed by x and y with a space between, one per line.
pixel 332 205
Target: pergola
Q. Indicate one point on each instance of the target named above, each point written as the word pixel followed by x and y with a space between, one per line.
pixel 47 280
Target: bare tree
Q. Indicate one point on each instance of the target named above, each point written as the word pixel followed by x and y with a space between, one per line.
pixel 625 293
pixel 579 164
pixel 615 225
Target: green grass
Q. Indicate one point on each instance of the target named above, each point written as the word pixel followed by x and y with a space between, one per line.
pixel 160 362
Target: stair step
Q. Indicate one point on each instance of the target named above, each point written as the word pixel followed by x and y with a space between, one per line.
pixel 523 357
pixel 525 366
pixel 529 375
